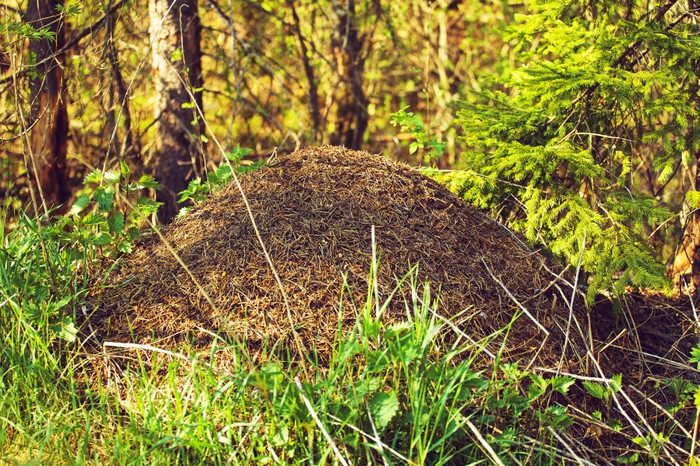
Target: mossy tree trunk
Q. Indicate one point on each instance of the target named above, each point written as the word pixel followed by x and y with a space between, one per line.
pixel 49 117
pixel 175 31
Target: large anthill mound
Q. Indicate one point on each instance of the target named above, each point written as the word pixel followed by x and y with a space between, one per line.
pixel 315 210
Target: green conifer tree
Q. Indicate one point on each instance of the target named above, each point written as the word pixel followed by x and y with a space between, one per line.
pixel 582 149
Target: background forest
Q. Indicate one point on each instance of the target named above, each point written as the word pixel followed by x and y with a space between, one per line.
pixel 572 122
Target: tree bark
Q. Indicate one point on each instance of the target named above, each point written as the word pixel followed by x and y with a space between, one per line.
pixel 48 116
pixel 179 155
pixel 351 115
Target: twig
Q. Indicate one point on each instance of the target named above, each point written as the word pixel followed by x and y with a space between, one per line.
pixel 571 300
pixel 695 432
pixel 566 445
pixel 328 438
pixel 692 304
pixel 383 446
pixel 515 300
pixel 483 442
pixel 115 344
pixel 663 410
pixel 375 434
pixel 374 274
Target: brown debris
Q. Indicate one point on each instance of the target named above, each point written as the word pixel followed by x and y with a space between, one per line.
pixel 315 210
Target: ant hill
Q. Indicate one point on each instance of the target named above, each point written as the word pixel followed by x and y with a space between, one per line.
pixel 315 211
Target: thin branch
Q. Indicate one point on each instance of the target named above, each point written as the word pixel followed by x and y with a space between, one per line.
pixel 318 422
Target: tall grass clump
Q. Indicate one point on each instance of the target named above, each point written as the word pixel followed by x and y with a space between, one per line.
pixel 39 279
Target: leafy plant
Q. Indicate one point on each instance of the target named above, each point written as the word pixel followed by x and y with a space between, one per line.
pixel 109 221
pixel 45 261
pixel 197 190
pixel 411 122
pixel 602 391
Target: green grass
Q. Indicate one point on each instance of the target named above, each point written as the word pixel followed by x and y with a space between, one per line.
pixel 408 392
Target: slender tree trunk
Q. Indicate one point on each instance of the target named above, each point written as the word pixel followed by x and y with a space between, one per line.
pixel 175 30
pixel 49 117
pixel 118 98
pixel 687 261
pixel 310 74
pixel 351 115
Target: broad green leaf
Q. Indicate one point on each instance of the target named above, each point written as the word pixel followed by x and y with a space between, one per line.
pixel 93 177
pixel 594 389
pixel 112 176
pixel 147 181
pixel 102 239
pixel 126 171
pixel 79 204
pixel 116 223
pixel 104 197
pixel 65 329
pixel 384 407
pixel 562 384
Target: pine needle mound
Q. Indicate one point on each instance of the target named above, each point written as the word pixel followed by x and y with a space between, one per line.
pixel 315 210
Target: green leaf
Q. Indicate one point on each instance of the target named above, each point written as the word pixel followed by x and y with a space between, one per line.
pixel 562 384
pixel 126 171
pixel 79 204
pixel 102 240
pixel 147 181
pixel 384 407
pixel 377 361
pixel 112 176
pixel 693 199
pixel 237 154
pixel 615 424
pixel 695 355
pixel 367 386
pixel 65 329
pixel 104 197
pixel 595 389
pixel 696 398
pixel 537 388
pixel 633 459
pixel 616 383
pixel 557 417
pixel 126 247
pixel 116 224
pixel 148 206
pixel 93 177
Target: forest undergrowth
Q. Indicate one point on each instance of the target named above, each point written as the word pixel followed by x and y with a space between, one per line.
pixel 416 392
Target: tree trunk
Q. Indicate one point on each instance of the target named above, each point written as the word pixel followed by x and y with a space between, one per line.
pixel 686 265
pixel 351 115
pixel 175 32
pixel 49 117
